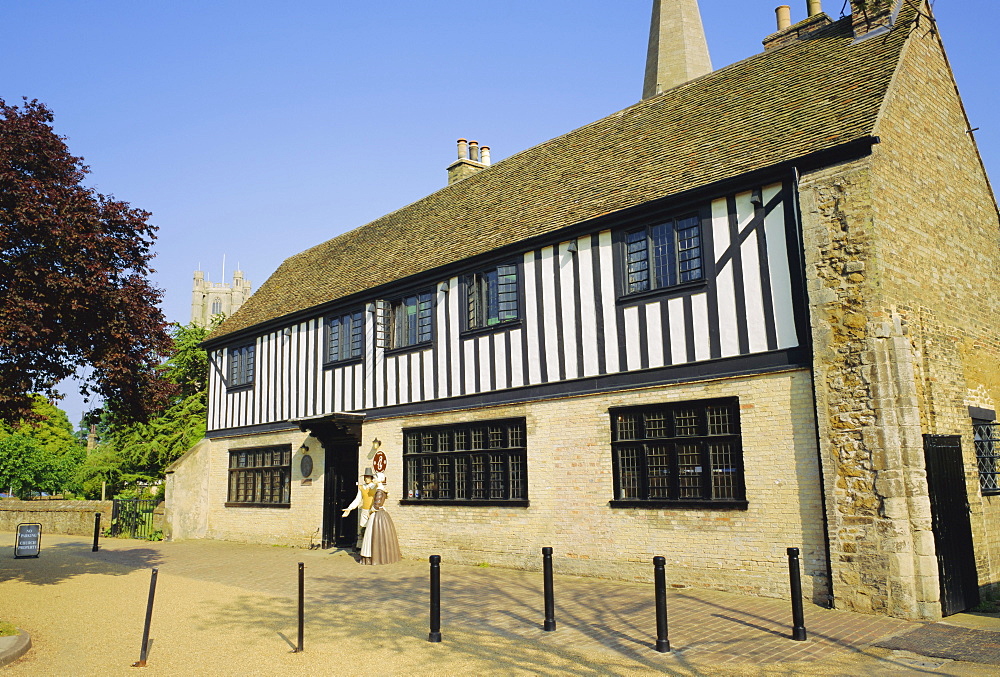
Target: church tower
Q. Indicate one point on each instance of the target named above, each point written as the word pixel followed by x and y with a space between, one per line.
pixel 209 299
pixel 677 50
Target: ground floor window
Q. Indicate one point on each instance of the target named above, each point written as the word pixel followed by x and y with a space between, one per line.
pixel 481 462
pixel 260 477
pixel 678 453
pixel 987 437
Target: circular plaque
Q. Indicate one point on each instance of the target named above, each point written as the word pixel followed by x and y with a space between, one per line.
pixel 379 462
pixel 306 465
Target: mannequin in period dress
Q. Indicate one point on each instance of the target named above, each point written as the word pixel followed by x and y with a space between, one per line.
pixel 380 545
pixel 363 502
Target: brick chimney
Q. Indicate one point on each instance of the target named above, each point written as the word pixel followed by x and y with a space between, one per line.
pixel 677 49
pixel 873 16
pixel 471 160
pixel 788 32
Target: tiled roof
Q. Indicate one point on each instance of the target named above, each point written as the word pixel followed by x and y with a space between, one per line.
pixel 809 96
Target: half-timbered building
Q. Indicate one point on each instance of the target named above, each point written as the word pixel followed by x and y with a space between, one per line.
pixel 711 326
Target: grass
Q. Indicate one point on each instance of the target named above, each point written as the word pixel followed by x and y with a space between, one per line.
pixel 7 629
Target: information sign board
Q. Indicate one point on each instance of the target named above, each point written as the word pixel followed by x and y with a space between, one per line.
pixel 29 540
pixel 379 462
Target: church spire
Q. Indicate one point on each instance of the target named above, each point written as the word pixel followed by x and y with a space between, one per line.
pixel 677 48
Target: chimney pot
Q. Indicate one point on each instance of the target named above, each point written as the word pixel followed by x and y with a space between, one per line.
pixel 474 151
pixel 784 15
pixel 484 153
pixel 814 7
pixel 463 149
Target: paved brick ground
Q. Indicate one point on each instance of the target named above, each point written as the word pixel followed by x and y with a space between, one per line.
pixel 488 614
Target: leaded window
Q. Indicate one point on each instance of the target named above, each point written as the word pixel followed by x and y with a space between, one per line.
pixel 483 461
pixel 492 297
pixel 987 438
pixel 410 321
pixel 260 477
pixel 678 452
pixel 345 337
pixel 663 255
pixel 242 365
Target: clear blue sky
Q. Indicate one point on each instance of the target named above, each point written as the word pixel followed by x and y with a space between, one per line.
pixel 257 129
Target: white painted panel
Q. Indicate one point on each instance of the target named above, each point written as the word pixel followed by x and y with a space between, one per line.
pixel 654 334
pixel 753 294
pixel 567 288
pixel 454 342
pixel 699 315
pixel 469 356
pixel 778 268
pixel 429 374
pixel 531 319
pixel 441 354
pixel 414 377
pixel 501 354
pixel 485 366
pixel 588 308
pixel 371 359
pixel 611 357
pixel 403 381
pixel 516 359
pixel 720 227
pixel 359 387
pixel 678 342
pixel 391 378
pixel 549 304
pixel 284 343
pixel 729 337
pixel 633 354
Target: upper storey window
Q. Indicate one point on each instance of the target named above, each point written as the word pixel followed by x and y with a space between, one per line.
pixel 344 337
pixel 663 255
pixel 492 297
pixel 241 365
pixel 410 321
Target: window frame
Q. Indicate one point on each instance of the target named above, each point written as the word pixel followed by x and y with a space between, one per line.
pixel 356 338
pixel 670 448
pixel 651 260
pixel 424 328
pixel 238 375
pixel 476 294
pixel 263 459
pixel 501 459
pixel 986 441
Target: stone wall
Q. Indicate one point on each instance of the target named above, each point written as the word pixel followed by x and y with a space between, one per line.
pixel 56 517
pixel 901 259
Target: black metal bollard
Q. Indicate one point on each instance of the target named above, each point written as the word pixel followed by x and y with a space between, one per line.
pixel 149 617
pixel 550 605
pixel 435 633
pixel 97 530
pixel 302 585
pixel 660 581
pixel 795 581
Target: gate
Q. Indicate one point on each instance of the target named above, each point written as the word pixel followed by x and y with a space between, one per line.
pixel 132 518
pixel 950 519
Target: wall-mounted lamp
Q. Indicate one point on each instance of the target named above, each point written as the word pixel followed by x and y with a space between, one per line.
pixel 304 449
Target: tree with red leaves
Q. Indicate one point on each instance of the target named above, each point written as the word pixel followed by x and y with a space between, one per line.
pixel 74 293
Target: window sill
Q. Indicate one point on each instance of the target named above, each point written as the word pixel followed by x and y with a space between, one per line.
pixel 236 389
pixel 344 363
pixel 697 504
pixel 408 349
pixel 492 329
pixel 258 505
pixel 464 502
pixel 664 292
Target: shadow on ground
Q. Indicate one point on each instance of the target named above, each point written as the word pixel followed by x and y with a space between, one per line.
pixel 61 561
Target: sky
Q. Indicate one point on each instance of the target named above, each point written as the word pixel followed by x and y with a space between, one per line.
pixel 253 130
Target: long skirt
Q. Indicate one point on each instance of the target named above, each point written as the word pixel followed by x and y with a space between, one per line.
pixel 380 545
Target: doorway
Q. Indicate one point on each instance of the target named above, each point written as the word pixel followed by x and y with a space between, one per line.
pixel 340 477
pixel 950 519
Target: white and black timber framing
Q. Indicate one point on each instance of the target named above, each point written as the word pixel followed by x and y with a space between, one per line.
pixel 578 331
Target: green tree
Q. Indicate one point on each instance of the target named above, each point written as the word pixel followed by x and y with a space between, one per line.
pixel 140 452
pixel 39 453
